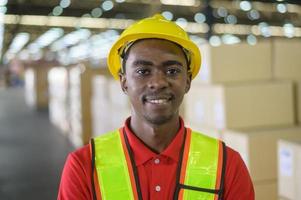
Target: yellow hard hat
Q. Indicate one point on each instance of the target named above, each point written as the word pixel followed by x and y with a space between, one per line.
pixel 154 27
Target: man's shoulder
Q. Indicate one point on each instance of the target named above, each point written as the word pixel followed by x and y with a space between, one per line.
pixel 81 154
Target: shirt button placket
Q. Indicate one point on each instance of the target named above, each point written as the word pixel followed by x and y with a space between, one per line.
pixel 158 188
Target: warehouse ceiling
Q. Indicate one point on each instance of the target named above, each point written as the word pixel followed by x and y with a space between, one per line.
pixel 207 17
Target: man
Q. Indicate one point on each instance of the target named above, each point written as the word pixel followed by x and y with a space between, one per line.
pixel 154 156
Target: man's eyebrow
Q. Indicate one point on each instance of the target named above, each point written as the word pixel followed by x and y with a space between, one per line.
pixel 172 62
pixel 142 62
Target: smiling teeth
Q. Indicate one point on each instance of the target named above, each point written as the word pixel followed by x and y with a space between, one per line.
pixel 158 101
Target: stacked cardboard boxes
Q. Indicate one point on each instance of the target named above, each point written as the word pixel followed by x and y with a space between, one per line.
pixel 80 93
pixel 258 148
pixel 36 86
pixel 99 105
pixel 58 98
pixel 238 94
pixel 287 66
pixel 235 63
pixel 110 105
pixel 241 106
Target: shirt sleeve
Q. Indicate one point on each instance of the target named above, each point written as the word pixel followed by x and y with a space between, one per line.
pixel 238 183
pixel 76 177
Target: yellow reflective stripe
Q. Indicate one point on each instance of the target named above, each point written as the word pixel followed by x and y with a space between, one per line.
pixel 111 166
pixel 201 167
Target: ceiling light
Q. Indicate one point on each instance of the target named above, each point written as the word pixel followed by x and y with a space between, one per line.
pixel 253 15
pixel 222 12
pixel 289 30
pixel 3 9
pixel 264 29
pixel 58 10
pixel 215 41
pixel 96 12
pixel 107 5
pixel 231 19
pixel 71 39
pixel 245 5
pixel 48 37
pixel 3 2
pixel 199 18
pixel 18 42
pixel 65 3
pixel 168 15
pixel 182 22
pixel 230 39
pixel 86 15
pixel 251 39
pixel 281 8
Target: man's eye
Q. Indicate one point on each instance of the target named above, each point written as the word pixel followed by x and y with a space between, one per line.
pixel 142 71
pixel 173 71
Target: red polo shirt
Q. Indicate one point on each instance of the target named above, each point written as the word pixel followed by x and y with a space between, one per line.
pixel 157 172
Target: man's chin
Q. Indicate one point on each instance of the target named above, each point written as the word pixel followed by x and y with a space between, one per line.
pixel 158 120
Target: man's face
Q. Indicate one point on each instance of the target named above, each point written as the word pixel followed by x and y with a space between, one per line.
pixel 155 80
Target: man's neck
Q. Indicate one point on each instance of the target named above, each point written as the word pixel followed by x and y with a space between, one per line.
pixel 156 137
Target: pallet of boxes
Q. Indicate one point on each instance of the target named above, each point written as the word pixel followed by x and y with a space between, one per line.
pixel 58 83
pixel 241 97
pixel 110 106
pixel 96 102
pixel 287 66
pixel 80 94
pixel 36 83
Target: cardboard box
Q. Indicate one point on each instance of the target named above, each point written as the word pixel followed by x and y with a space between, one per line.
pixel 286 59
pixel 235 63
pixel 298 100
pixel 266 190
pixel 254 105
pixel 289 165
pixel 258 149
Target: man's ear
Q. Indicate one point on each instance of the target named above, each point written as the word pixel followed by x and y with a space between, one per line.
pixel 123 83
pixel 188 82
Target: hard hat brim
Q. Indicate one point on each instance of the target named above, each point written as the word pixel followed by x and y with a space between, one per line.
pixel 114 60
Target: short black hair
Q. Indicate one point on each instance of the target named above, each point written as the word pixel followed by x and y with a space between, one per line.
pixel 126 52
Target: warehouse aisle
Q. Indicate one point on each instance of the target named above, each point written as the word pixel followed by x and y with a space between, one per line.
pixel 32 151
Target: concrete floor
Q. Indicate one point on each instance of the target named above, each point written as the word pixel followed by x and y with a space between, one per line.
pixel 32 151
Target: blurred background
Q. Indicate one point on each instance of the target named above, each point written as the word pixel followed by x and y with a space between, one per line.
pixel 56 92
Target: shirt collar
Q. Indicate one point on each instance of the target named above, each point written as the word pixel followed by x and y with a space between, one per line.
pixel 143 154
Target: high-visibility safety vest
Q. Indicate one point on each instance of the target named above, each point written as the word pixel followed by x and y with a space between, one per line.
pixel 200 173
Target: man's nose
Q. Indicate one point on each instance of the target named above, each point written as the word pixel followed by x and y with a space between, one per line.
pixel 158 81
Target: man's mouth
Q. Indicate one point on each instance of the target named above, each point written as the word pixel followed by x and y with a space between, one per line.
pixel 158 100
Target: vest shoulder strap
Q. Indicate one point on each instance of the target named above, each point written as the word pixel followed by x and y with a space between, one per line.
pixel 202 167
pixel 112 167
